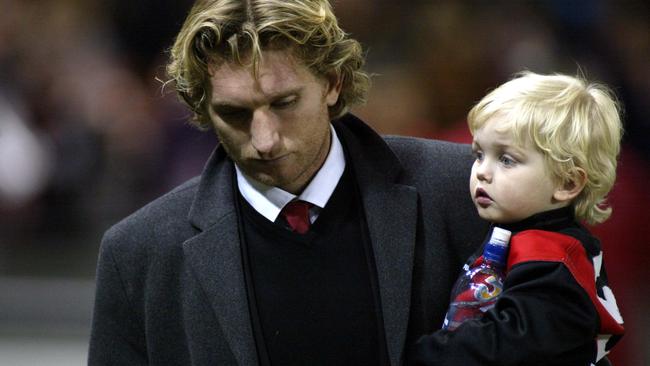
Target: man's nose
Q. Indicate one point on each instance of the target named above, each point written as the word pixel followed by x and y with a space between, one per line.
pixel 265 135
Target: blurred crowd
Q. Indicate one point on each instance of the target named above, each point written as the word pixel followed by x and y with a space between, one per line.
pixel 88 133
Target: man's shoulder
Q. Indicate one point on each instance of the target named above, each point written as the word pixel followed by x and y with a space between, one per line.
pixel 417 145
pixel 412 152
pixel 162 216
pixel 416 154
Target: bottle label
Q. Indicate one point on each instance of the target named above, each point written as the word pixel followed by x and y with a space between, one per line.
pixel 488 288
pixel 476 290
pixel 495 253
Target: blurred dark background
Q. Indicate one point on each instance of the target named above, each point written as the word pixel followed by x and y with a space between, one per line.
pixel 87 134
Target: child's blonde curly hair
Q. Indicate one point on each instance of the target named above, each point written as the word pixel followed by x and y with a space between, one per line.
pixel 573 123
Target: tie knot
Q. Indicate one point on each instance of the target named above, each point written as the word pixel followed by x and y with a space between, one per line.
pixel 296 213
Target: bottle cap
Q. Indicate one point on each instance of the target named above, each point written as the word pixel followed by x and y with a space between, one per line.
pixel 500 236
pixel 496 248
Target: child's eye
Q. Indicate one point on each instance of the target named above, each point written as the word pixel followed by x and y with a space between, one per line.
pixel 507 161
pixel 478 155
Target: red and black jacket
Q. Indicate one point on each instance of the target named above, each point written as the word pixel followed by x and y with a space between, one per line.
pixel 556 307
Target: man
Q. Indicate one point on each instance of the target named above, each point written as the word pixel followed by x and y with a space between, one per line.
pixel 233 267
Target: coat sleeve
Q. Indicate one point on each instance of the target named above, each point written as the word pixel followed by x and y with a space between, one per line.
pixel 117 337
pixel 543 317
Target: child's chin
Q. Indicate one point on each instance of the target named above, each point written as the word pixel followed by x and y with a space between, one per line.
pixel 485 214
pixel 491 217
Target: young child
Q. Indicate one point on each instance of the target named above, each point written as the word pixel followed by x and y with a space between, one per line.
pixel 546 149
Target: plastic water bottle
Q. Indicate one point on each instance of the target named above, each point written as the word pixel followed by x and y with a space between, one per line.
pixel 477 289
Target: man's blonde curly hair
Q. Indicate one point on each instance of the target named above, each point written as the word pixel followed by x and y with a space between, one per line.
pixel 573 123
pixel 238 30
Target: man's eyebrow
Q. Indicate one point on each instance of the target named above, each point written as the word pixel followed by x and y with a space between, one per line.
pixel 225 106
pixel 271 96
pixel 285 93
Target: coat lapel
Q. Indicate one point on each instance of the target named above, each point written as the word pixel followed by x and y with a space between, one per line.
pixel 215 256
pixel 391 217
pixel 391 214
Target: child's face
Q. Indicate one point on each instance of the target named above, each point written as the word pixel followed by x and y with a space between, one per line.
pixel 509 182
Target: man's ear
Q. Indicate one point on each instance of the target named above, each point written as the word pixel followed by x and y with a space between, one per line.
pixel 568 190
pixel 334 85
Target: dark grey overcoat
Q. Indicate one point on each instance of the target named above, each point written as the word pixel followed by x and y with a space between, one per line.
pixel 170 286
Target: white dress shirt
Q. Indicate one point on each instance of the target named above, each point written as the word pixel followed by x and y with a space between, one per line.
pixel 269 201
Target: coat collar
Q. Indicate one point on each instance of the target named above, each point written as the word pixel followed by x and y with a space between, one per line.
pixel 214 198
pixel 391 215
pixel 215 253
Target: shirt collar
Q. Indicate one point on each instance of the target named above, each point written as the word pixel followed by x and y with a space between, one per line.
pixel 551 220
pixel 269 201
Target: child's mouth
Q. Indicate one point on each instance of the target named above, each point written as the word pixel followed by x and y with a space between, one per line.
pixel 482 198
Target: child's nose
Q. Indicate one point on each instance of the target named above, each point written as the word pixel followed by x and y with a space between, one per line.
pixel 484 172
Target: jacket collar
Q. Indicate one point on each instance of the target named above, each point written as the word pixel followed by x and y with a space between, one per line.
pixel 215 196
pixel 391 215
pixel 551 220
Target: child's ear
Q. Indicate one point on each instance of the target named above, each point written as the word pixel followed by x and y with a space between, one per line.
pixel 571 188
